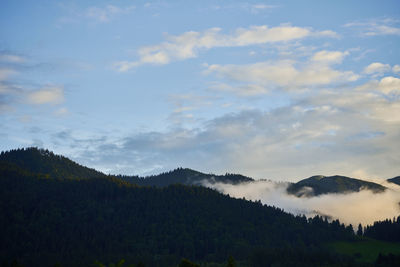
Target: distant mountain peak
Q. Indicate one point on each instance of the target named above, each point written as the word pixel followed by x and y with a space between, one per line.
pixel 43 161
pixel 317 177
pixel 394 180
pixel 319 184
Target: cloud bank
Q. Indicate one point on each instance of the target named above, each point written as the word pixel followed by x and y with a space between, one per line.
pixel 362 207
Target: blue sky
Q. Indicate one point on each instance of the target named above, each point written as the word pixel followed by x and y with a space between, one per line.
pixel 271 89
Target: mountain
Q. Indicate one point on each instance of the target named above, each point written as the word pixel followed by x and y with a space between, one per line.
pixel 185 176
pixel 395 180
pixel 46 162
pixel 73 222
pixel 317 185
pixel 43 161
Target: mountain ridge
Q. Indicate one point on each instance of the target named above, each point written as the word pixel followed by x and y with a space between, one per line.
pixel 43 161
pixel 394 180
pixel 319 184
pixel 105 218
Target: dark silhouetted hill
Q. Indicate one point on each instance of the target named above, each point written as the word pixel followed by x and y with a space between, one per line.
pixel 43 161
pixel 395 180
pixel 185 176
pixel 318 185
pixel 48 218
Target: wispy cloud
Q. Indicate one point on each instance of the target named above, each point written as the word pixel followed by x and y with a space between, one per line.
pixel 46 95
pixel 376 27
pixel 11 58
pixel 12 93
pixel 98 14
pixel 189 44
pixel 105 14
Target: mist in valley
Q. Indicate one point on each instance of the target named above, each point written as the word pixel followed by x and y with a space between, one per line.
pixel 363 207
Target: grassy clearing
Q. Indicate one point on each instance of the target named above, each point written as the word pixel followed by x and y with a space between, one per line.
pixel 365 250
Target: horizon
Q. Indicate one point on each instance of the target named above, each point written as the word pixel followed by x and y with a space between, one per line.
pixel 382 181
pixel 277 90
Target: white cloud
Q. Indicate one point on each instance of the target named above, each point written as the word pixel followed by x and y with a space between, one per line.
pixel 396 69
pixel 389 85
pixel 188 44
pixel 377 68
pixel 12 58
pixel 382 30
pixel 101 14
pixel 47 95
pixel 376 27
pixel 329 56
pixel 262 7
pixel 105 14
pixel 283 73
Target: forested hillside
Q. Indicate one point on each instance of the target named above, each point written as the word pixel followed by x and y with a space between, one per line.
pixel 185 176
pixel 318 185
pixel 50 216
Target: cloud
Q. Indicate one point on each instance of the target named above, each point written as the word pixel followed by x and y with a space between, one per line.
pixel 389 85
pixel 100 14
pixel 377 68
pixel 258 7
pixel 240 90
pixel 361 207
pixel 376 27
pixel 11 58
pixel 286 73
pixel 46 95
pixel 396 69
pixel 105 14
pixel 333 132
pixel 329 57
pixel 5 73
pixel 188 44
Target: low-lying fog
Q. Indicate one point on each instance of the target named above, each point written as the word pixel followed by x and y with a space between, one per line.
pixel 362 207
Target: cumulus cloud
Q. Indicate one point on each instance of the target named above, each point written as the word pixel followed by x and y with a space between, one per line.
pixel 387 85
pixel 47 95
pixel 377 68
pixel 360 207
pixel 396 69
pixel 188 44
pixel 329 56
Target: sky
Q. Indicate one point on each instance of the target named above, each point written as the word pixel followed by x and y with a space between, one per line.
pixel 280 90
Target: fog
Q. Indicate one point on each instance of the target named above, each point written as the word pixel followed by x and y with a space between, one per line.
pixel 362 207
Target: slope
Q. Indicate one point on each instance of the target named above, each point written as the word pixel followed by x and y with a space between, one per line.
pixel 185 176
pixel 395 180
pixel 77 221
pixel 43 161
